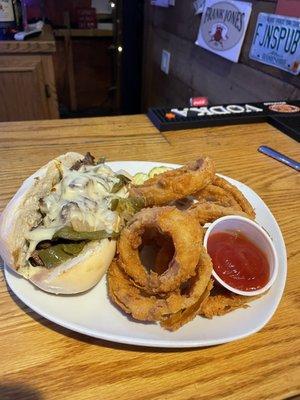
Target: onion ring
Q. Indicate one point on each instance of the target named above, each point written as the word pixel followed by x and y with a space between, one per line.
pixel 184 231
pixel 209 212
pixel 175 321
pixel 216 195
pixel 146 307
pixel 221 301
pixel 163 258
pixel 223 193
pixel 176 184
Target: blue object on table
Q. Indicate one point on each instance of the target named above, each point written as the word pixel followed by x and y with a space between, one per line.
pixel 279 157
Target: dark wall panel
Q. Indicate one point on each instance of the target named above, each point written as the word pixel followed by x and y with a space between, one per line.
pixel 195 71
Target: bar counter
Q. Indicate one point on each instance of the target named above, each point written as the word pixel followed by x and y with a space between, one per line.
pixel 43 361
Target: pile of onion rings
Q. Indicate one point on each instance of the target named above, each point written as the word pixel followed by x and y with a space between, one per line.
pixel 157 294
pixel 162 272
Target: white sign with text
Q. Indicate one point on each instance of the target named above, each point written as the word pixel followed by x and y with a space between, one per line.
pixel 223 27
pixel 199 6
pixel 276 42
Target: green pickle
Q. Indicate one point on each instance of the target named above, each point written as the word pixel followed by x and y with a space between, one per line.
pixel 139 178
pixel 158 170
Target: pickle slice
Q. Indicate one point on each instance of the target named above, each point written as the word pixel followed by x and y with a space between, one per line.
pixel 139 178
pixel 158 170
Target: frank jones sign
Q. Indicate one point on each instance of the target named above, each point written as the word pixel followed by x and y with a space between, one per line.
pixel 223 27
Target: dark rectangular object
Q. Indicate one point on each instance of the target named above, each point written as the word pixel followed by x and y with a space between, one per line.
pixel 288 125
pixel 166 119
pixel 86 18
pixel 132 55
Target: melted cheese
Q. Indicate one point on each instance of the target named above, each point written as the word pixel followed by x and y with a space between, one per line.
pixel 81 199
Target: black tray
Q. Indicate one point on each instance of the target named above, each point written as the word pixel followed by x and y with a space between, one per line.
pixel 226 114
pixel 288 125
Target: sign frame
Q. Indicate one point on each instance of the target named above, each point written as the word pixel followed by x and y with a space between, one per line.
pixel 270 38
pixel 223 27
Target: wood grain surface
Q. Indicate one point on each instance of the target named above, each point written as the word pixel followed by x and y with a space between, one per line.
pixel 44 43
pixel 42 361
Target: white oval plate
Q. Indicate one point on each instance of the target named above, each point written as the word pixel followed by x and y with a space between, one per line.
pixel 93 314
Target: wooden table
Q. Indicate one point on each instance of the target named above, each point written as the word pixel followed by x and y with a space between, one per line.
pixel 42 361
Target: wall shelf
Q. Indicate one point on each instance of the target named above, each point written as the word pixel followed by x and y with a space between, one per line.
pixel 82 33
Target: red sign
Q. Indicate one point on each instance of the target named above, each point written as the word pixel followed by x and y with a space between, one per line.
pixel 86 18
pixel 198 101
pixel 291 8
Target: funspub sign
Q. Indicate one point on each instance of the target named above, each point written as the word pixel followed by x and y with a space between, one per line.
pixel 276 42
pixel 223 27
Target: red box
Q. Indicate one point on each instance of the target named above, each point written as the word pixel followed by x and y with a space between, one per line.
pixel 86 18
pixel 291 8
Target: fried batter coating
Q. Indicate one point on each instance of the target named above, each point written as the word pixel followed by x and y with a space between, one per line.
pixel 175 284
pixel 216 195
pixel 176 184
pixel 146 307
pixel 223 193
pixel 221 301
pixel 163 257
pixel 209 212
pixel 185 233
pixel 182 317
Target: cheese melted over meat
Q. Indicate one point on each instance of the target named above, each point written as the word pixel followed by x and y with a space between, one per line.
pixel 81 199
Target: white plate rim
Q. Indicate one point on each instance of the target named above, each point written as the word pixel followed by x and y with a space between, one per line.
pixel 9 275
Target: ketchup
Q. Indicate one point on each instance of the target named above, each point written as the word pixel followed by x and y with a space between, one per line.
pixel 238 261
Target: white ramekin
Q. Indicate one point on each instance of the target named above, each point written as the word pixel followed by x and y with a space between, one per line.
pixel 256 235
